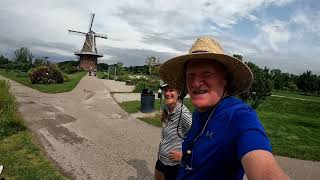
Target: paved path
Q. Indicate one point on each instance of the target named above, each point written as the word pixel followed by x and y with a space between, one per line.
pixel 87 134
pixel 89 137
pixel 295 98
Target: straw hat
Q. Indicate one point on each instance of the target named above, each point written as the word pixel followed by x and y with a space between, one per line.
pixel 173 70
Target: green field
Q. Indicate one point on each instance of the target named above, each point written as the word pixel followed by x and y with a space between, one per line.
pixel 19 153
pixel 293 126
pixel 23 159
pixel 296 95
pixel 47 88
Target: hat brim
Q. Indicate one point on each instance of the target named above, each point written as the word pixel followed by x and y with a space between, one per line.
pixel 173 71
pixel 163 86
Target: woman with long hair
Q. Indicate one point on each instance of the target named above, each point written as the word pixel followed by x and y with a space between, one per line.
pixel 175 119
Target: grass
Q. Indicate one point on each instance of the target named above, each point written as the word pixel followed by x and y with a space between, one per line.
pixel 10 121
pixel 134 106
pixel 19 153
pixel 296 95
pixel 100 74
pixel 293 126
pixel 22 159
pixel 152 120
pixel 46 88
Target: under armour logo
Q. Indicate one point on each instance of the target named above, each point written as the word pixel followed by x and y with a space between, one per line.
pixel 209 134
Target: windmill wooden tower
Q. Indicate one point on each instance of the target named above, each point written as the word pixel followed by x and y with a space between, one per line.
pixel 89 54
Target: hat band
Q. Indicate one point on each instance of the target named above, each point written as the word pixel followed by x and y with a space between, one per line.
pixel 198 51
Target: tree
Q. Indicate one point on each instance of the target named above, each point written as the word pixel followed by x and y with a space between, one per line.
pixel 41 62
pixel 276 76
pixel 307 82
pixel 102 67
pixel 281 80
pixel 261 87
pixel 153 64
pixel 120 70
pixel 139 69
pixel 238 56
pixel 71 63
pixel 22 59
pixel 3 60
pixel 23 55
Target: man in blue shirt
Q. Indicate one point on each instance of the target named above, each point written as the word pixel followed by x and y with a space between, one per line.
pixel 226 139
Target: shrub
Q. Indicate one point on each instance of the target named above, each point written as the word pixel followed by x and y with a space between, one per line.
pixel 18 67
pixel 293 87
pixel 10 121
pixel 104 75
pixel 122 78
pixel 66 78
pixel 112 77
pixel 153 85
pixel 45 75
pixel 69 69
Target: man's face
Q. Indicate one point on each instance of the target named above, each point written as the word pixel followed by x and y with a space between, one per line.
pixel 205 83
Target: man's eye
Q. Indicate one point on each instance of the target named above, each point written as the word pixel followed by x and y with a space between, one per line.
pixel 189 76
pixel 207 74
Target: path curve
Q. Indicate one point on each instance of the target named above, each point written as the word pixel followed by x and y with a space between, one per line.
pixel 87 134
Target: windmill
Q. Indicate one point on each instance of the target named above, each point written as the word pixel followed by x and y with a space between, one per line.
pixel 89 54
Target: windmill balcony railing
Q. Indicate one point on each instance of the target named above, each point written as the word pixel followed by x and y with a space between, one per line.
pixel 90 53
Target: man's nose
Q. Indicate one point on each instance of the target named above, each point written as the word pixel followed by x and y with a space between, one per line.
pixel 197 82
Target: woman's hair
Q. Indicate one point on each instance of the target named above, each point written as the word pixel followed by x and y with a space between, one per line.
pixel 165 114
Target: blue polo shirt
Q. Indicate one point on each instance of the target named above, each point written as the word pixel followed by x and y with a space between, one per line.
pixel 232 131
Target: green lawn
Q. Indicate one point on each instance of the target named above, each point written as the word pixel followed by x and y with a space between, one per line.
pixel 153 120
pixel 19 153
pixel 23 159
pixel 134 106
pixel 295 95
pixel 47 88
pixel 293 126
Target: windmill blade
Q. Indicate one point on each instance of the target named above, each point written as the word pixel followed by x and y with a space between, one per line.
pixel 91 21
pixel 76 32
pixel 101 36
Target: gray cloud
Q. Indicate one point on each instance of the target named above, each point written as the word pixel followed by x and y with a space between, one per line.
pixel 138 29
pixel 131 57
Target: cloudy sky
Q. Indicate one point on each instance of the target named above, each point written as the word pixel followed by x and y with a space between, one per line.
pixel 282 34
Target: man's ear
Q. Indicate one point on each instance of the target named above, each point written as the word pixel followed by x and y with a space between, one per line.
pixel 183 93
pixel 225 83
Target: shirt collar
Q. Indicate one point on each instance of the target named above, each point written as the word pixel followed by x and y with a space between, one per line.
pixel 175 109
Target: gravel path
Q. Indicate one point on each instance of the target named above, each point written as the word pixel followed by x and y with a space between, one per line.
pixel 89 136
